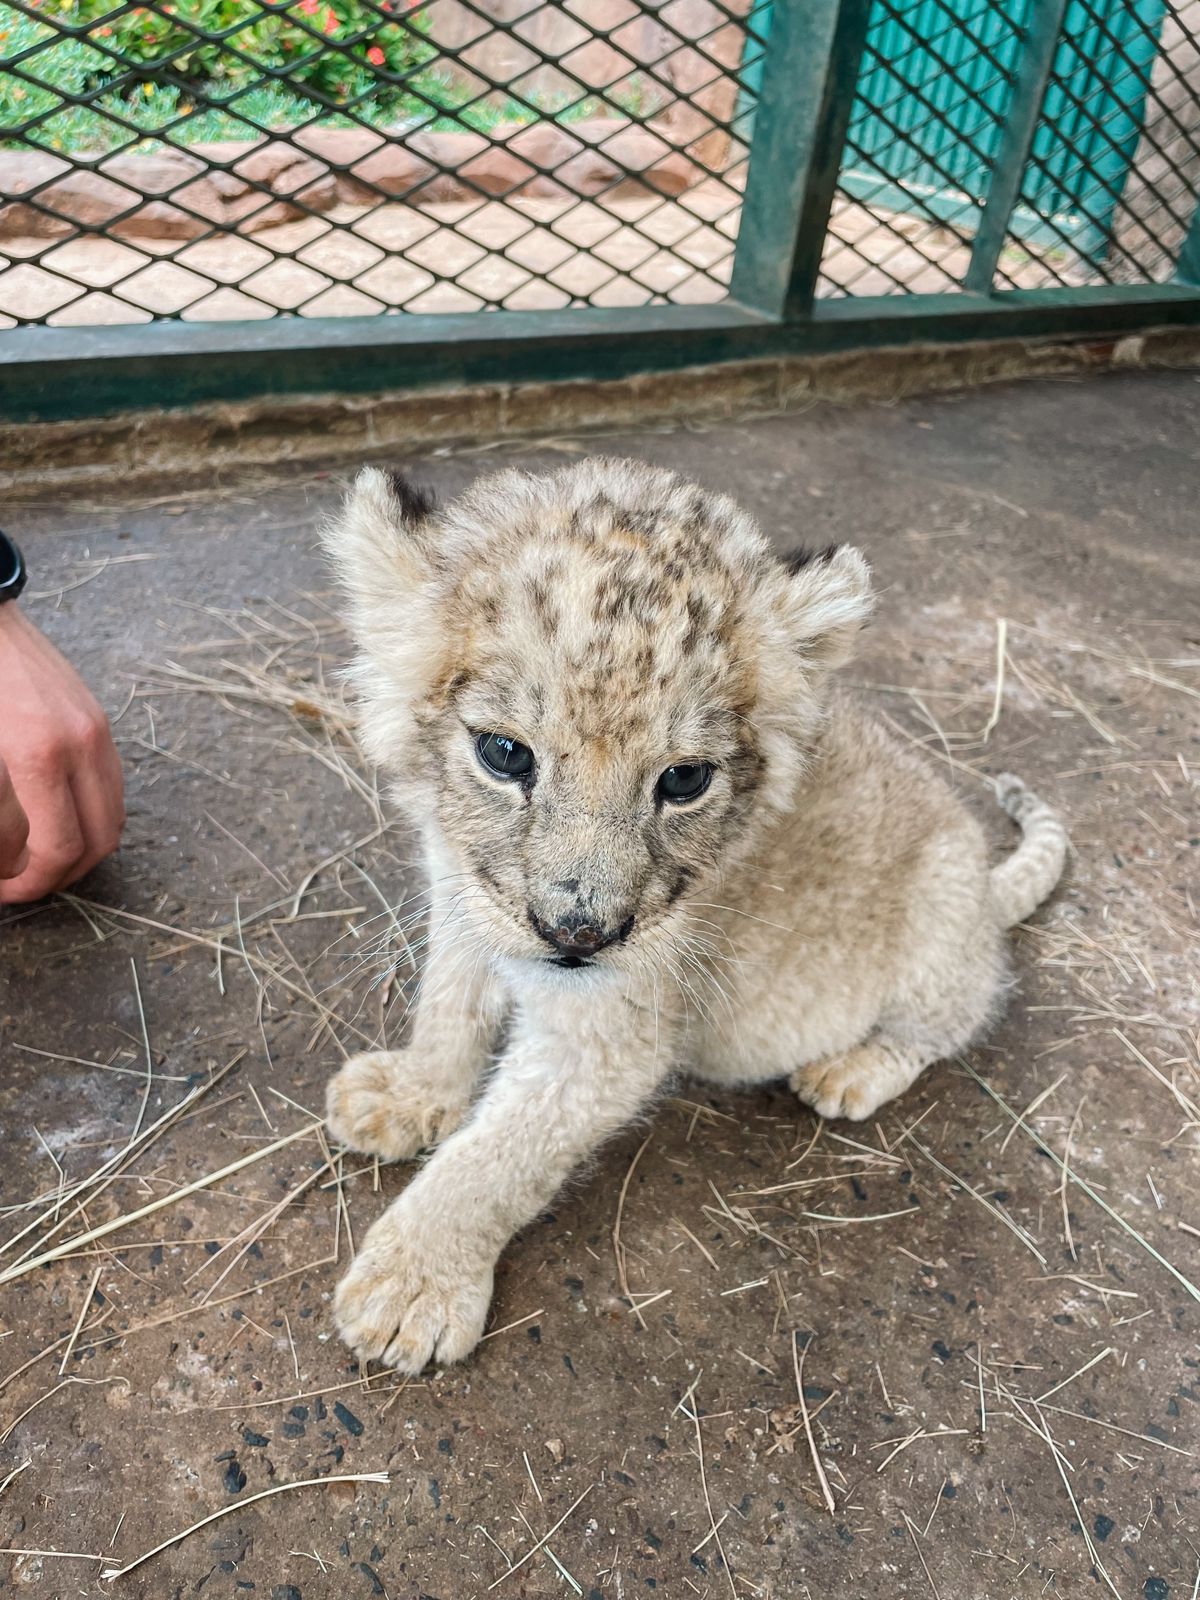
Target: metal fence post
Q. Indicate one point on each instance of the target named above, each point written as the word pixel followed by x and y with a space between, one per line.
pixel 1187 269
pixel 1020 125
pixel 810 70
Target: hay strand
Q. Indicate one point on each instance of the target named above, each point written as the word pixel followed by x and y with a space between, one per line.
pixel 798 1356
pixel 1081 1183
pixel 105 1228
pixel 240 1505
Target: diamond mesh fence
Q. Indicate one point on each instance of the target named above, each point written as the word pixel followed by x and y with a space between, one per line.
pixel 228 159
pixel 1109 186
pixel 1114 171
pixel 928 113
pixel 241 158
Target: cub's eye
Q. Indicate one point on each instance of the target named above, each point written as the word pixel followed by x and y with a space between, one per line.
pixel 505 757
pixel 688 782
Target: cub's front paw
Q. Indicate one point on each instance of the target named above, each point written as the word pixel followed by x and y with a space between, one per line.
pixel 384 1104
pixel 856 1084
pixel 405 1304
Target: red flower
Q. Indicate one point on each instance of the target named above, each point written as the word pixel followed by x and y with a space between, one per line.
pixel 331 22
pixel 376 56
pixel 309 7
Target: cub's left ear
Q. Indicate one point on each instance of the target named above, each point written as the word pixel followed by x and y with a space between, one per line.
pixel 379 542
pixel 827 598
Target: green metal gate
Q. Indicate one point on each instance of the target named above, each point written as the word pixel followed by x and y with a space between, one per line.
pixel 932 102
pixel 213 199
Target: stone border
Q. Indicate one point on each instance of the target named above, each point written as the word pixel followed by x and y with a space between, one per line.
pixel 244 187
pixel 190 447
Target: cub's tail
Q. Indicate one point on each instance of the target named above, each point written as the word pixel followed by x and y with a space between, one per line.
pixel 1022 882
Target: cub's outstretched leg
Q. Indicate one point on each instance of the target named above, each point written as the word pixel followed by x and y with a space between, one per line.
pixel 392 1103
pixel 420 1285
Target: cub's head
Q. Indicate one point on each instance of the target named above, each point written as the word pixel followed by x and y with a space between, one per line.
pixel 597 687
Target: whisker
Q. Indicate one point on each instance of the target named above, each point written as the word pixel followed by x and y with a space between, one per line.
pixel 712 905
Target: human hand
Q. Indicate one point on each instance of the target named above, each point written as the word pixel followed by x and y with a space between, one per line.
pixel 14 829
pixel 63 776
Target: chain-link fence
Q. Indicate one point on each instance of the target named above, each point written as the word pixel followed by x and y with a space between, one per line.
pixel 207 161
pixel 232 159
pixel 1109 180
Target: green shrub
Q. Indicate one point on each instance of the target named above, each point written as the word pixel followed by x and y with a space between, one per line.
pixel 339 48
pixel 120 76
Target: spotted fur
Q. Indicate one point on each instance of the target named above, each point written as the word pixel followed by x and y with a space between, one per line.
pixel 824 910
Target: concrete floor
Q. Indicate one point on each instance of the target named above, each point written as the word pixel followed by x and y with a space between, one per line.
pixel 1067 508
pixel 525 255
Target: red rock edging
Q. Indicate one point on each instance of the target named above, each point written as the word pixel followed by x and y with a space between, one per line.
pixel 245 187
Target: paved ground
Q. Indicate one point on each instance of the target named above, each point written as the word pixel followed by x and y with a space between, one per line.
pixel 527 255
pixel 238 912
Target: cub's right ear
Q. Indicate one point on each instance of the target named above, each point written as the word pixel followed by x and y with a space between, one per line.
pixel 379 543
pixel 383 552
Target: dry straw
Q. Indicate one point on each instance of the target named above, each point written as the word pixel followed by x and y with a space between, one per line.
pixel 69 1246
pixel 240 1505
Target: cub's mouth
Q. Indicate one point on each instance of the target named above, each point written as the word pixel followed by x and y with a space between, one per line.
pixel 569 962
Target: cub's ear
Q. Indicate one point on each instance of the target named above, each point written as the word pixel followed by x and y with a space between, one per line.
pixel 379 543
pixel 383 550
pixel 827 598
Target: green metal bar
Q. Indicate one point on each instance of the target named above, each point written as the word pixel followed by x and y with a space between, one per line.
pixel 60 373
pixel 1187 270
pixel 96 371
pixel 955 318
pixel 1020 125
pixel 812 62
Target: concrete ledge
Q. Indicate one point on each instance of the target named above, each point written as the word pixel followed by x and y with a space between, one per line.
pixel 192 445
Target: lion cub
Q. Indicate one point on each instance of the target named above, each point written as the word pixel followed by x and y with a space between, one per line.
pixel 658 839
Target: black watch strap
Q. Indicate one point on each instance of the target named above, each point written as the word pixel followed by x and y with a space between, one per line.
pixel 12 569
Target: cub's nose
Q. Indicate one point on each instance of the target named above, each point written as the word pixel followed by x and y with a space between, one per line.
pixel 573 935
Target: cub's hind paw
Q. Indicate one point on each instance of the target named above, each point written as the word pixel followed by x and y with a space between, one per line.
pixel 856 1084
pixel 383 1104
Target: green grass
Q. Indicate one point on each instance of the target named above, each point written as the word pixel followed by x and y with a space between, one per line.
pixel 42 112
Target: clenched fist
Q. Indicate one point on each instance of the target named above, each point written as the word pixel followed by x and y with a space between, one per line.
pixel 62 803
